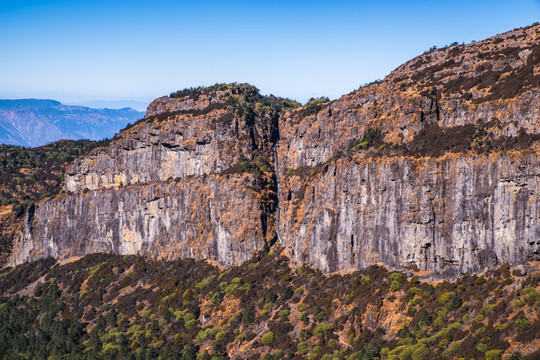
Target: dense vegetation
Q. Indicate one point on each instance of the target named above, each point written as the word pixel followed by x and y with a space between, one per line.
pixel 114 307
pixel 238 92
pixel 30 174
pixel 199 90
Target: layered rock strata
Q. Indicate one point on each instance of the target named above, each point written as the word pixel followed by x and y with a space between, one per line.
pixel 177 138
pixel 434 168
pixel 496 81
pixel 190 218
pixel 191 179
pixel 461 200
pixel 453 214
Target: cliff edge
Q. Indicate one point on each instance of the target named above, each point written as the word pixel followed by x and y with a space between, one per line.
pixel 434 168
pixel 193 178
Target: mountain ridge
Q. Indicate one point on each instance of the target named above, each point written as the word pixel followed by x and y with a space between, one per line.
pixel 410 172
pixel 36 122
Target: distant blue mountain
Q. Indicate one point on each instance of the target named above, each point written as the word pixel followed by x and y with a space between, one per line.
pixel 114 104
pixel 35 122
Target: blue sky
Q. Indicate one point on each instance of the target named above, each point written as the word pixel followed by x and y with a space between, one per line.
pixel 76 51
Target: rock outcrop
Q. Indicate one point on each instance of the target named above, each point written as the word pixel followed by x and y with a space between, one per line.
pixel 190 218
pixel 437 167
pixel 453 214
pixel 179 137
pixel 455 184
pixel 191 179
pixel 496 81
pixel 418 205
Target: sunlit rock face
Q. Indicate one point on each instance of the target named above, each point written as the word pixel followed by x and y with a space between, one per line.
pixel 455 187
pixel 434 168
pixel 453 214
pixel 195 218
pixel 174 185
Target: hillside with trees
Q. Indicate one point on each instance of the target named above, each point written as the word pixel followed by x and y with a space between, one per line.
pixel 127 307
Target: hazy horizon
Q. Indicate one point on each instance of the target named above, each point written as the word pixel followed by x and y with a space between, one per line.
pixel 96 104
pixel 78 52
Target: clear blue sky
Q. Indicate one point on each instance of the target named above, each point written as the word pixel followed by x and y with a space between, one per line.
pixel 111 50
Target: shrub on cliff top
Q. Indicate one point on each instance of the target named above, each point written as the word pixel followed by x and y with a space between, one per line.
pixel 235 87
pixel 314 105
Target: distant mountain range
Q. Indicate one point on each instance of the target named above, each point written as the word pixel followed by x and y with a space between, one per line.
pixel 35 122
pixel 113 104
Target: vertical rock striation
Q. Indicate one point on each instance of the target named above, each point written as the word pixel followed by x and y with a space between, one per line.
pixel 452 214
pixel 437 167
pixel 193 179
pixel 455 184
pixel 195 218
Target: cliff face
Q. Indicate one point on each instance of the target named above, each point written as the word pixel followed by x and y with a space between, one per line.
pixel 454 185
pixel 191 179
pixel 177 138
pixel 190 218
pixel 452 214
pixel 434 168
pixel 496 81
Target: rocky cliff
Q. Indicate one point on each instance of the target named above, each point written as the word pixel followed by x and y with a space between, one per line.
pixel 453 214
pixel 206 133
pixel 495 81
pixel 190 218
pixel 191 179
pixel 434 168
